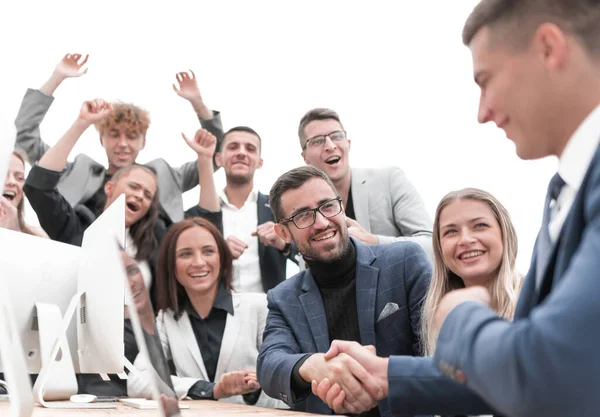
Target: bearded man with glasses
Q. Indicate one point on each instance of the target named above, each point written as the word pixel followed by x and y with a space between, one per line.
pixel 381 204
pixel 370 294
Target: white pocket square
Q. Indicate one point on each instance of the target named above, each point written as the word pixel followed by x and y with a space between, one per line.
pixel 388 310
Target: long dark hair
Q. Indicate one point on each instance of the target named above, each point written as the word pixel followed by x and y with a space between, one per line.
pixel 170 293
pixel 143 231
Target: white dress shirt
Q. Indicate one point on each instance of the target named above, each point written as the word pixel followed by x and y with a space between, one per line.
pixel 572 167
pixel 241 223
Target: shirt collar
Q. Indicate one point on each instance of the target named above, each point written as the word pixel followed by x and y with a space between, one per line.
pixel 223 301
pixel 581 147
pixel 252 197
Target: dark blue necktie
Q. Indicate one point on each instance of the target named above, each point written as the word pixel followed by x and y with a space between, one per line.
pixel 544 243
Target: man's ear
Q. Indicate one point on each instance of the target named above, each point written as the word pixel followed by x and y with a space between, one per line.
pixel 349 143
pixel 283 232
pixel 260 163
pixel 303 154
pixel 218 159
pixel 143 142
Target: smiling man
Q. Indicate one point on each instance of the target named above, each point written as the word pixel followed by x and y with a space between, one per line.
pixel 370 294
pixel 260 256
pixel 381 204
pixel 122 135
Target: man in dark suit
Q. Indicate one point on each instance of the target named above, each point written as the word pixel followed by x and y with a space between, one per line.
pixel 351 291
pixel 260 256
pixel 537 63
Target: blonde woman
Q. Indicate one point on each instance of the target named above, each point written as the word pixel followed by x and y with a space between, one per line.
pixel 12 203
pixel 474 243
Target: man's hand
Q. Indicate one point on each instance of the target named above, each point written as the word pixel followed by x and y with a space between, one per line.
pixel 266 234
pixel 456 297
pixel 236 246
pixel 94 110
pixel 360 391
pixel 333 393
pixel 356 231
pixel 204 144
pixel 188 89
pixel 236 383
pixel 9 218
pixel 70 66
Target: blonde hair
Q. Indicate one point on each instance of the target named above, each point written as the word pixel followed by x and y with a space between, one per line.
pixel 135 118
pixel 506 286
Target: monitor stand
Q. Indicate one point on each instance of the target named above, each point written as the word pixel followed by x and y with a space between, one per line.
pixel 57 380
pixel 15 370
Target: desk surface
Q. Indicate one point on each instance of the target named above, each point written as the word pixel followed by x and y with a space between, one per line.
pixel 204 408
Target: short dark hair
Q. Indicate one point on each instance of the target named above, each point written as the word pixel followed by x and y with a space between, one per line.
pixel 241 129
pixel 312 115
pixel 292 180
pixel 519 19
pixel 170 293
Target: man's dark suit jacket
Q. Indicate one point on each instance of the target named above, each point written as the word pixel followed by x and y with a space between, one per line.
pixel 396 273
pixel 546 362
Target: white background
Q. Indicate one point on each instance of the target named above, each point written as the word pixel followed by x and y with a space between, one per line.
pixel 397 73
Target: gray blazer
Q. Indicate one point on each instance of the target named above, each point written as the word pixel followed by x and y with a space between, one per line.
pixel 389 206
pixel 242 339
pixel 84 176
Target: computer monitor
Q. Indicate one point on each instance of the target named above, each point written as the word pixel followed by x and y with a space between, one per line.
pixel 38 270
pixel 46 279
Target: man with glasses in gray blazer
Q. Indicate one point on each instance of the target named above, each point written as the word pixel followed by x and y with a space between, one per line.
pixel 381 204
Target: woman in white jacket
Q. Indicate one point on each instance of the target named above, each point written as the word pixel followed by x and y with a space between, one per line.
pixel 211 337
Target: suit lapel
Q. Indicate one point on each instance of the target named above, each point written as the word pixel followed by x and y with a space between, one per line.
pixel 360 198
pixel 312 303
pixel 233 326
pixel 367 278
pixel 185 327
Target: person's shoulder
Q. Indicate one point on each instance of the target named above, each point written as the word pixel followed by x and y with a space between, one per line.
pixel 400 250
pixel 249 298
pixel 288 288
pixel 158 164
pixel 86 160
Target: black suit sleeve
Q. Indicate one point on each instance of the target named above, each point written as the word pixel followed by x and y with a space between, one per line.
pixel 55 214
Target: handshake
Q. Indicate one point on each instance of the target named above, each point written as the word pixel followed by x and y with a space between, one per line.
pixel 349 378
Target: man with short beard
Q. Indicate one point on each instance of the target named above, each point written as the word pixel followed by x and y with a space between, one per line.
pixel 260 256
pixel 370 294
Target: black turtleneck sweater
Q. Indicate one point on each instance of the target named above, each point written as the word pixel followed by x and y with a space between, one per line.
pixel 337 283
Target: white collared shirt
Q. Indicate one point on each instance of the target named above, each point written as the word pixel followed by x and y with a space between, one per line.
pixel 572 167
pixel 241 223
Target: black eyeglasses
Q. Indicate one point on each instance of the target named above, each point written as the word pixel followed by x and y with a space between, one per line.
pixel 318 141
pixel 307 218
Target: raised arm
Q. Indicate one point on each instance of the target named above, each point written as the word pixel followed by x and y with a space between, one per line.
pixel 68 67
pixel 204 144
pixel 91 112
pixel 209 120
pixel 36 104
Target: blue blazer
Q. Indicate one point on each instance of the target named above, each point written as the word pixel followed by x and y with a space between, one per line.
pixel 546 362
pixel 296 324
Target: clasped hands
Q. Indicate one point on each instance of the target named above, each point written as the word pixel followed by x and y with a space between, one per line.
pixel 349 378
